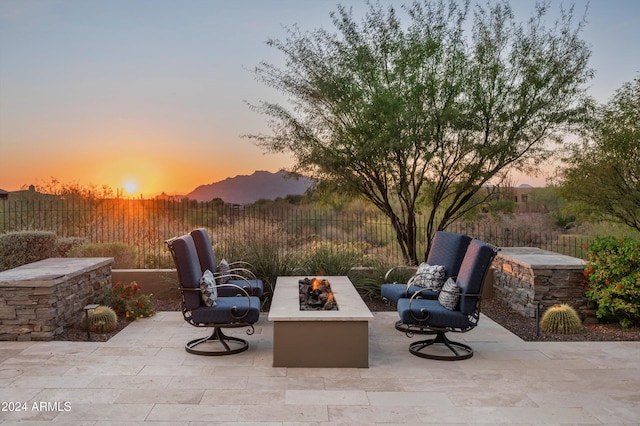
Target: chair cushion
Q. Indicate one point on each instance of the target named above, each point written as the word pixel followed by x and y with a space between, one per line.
pixel 448 249
pixel 188 268
pixel 208 289
pixel 450 295
pixel 430 276
pixel 393 292
pixel 434 314
pixel 223 272
pixel 223 312
pixel 254 288
pixel 474 267
pixel 206 257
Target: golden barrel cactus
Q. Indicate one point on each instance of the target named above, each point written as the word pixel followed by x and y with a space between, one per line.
pixel 102 319
pixel 562 319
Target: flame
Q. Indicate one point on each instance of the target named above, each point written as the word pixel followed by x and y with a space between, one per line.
pixel 315 284
pixel 329 298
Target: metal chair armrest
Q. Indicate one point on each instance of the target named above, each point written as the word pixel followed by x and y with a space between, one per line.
pixel 423 311
pixel 386 276
pixel 246 293
pixel 236 277
pixel 240 271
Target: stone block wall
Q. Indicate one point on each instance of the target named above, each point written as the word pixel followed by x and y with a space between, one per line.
pixel 38 301
pixel 528 276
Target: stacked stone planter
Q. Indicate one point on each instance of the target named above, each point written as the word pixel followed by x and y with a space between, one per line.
pixel 527 276
pixel 39 300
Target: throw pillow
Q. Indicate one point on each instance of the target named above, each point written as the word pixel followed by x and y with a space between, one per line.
pixel 223 272
pixel 430 276
pixel 208 289
pixel 450 295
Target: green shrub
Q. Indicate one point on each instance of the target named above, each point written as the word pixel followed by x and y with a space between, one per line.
pixel 268 261
pixel 332 258
pixel 127 300
pixel 22 247
pixel 369 279
pixel 66 244
pixel 124 255
pixel 561 318
pixel 613 279
pixel 140 307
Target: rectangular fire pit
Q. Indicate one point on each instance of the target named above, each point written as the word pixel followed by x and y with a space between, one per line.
pixel 319 338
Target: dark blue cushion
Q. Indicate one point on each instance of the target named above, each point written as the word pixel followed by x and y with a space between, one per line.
pixel 188 269
pixel 475 265
pixel 223 312
pixel 257 288
pixel 206 257
pixel 448 249
pixel 435 315
pixel 393 292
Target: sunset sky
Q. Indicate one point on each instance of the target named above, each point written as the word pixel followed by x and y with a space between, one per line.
pixel 150 95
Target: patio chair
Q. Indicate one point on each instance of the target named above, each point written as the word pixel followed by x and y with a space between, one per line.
pixel 238 274
pixel 449 313
pixel 226 312
pixel 448 249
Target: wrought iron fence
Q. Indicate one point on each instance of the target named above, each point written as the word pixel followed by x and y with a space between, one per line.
pixel 146 224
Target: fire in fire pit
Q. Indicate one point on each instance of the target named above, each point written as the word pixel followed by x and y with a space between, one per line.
pixel 316 295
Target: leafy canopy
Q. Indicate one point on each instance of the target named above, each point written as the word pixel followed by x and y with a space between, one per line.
pixel 603 174
pixel 420 115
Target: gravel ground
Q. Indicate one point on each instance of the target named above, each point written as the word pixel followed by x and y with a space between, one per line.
pixel 523 327
pixel 526 327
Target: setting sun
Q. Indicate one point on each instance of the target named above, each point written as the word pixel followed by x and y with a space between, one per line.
pixel 130 187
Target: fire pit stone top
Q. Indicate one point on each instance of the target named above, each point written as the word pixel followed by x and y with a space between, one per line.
pixel 285 305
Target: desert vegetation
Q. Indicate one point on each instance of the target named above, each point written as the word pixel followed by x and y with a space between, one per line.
pixel 271 232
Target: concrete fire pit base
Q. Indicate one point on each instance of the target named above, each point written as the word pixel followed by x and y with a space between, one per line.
pixel 326 339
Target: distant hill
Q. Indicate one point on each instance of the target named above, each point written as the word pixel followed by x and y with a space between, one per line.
pixel 245 189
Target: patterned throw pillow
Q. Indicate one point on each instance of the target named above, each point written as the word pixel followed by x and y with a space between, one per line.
pixel 430 276
pixel 208 288
pixel 223 272
pixel 450 295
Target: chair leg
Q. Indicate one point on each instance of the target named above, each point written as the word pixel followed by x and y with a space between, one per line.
pixel 460 350
pixel 217 344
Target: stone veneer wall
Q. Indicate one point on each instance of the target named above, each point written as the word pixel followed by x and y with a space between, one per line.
pixel 39 303
pixel 523 280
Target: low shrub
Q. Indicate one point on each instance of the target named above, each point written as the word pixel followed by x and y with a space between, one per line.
pixel 613 279
pixel 124 255
pixel 127 300
pixel 140 307
pixel 332 258
pixel 22 247
pixel 66 244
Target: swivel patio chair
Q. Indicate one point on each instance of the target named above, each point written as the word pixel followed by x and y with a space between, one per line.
pixel 226 312
pixel 457 308
pixel 238 274
pixel 448 249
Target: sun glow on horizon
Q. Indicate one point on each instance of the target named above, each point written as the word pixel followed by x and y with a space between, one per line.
pixel 130 187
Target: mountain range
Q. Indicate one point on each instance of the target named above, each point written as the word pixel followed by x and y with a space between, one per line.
pixel 247 189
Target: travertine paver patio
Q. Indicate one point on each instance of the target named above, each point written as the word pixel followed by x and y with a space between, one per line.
pixel 144 375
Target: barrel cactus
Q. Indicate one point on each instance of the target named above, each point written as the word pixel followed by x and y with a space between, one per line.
pixel 562 319
pixel 102 319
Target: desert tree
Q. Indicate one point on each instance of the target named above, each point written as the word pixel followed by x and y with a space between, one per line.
pixel 603 173
pixel 417 109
